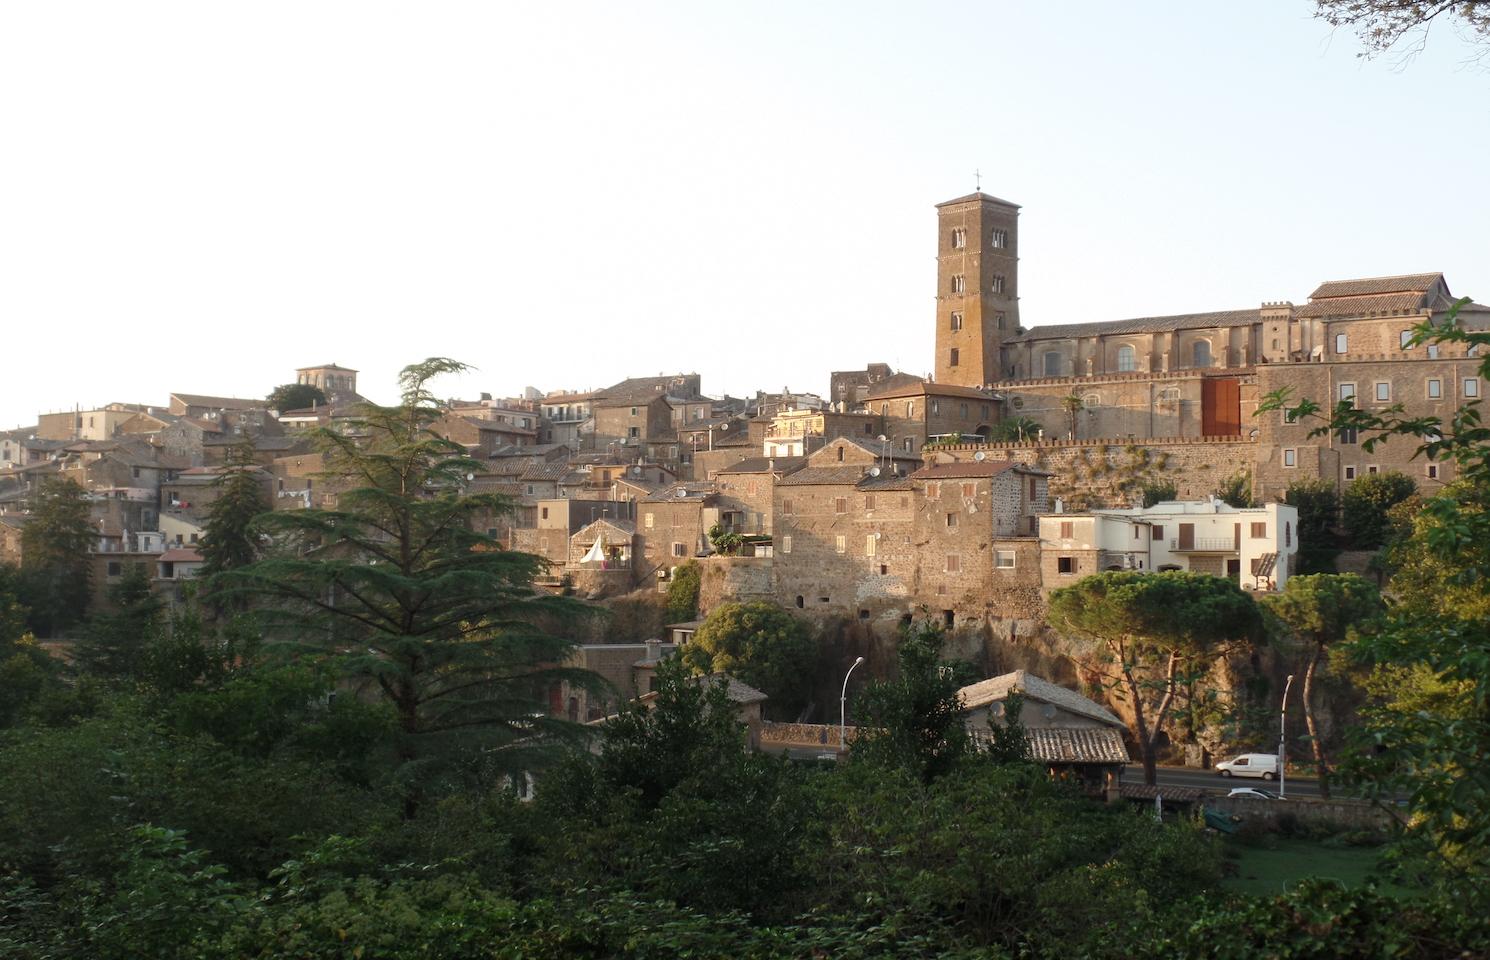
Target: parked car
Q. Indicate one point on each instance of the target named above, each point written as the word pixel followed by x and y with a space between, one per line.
pixel 1253 793
pixel 1264 765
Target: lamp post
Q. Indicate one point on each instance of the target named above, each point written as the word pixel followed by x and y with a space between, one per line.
pixel 1282 747
pixel 843 704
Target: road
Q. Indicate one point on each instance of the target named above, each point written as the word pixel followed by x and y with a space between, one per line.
pixel 1212 782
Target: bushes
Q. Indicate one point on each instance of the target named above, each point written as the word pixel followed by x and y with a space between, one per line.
pixel 1367 504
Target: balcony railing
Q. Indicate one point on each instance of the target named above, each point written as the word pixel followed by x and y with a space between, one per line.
pixel 1205 545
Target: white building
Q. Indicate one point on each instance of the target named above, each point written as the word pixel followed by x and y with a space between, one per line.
pixel 1253 546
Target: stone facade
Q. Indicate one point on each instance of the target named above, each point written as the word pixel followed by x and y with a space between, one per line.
pixel 977 292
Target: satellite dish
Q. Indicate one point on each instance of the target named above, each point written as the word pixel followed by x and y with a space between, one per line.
pixel 636 471
pixel 883 438
pixel 874 471
pixel 980 456
pixel 682 492
pixel 724 426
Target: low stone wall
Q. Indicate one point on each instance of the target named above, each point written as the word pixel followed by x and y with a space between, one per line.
pixel 804 735
pixel 596 584
pixel 1341 814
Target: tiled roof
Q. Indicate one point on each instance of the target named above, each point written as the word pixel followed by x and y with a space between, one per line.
pixel 181 555
pixel 984 692
pixel 824 476
pixel 203 425
pixel 1144 791
pixel 690 490
pixel 886 481
pixel 545 470
pixel 1180 321
pixel 965 469
pixel 1076 745
pixel 640 388
pixel 589 530
pixel 554 398
pixel 781 465
pixel 1370 286
pixel 325 366
pixel 220 403
pixel 1364 306
pixel 979 195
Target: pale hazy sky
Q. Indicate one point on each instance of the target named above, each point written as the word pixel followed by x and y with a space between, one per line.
pixel 201 197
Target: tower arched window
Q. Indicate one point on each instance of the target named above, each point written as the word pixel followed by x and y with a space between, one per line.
pixel 1201 354
pixel 1127 359
pixel 1052 363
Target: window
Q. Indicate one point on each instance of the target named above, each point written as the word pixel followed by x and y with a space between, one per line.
pixel 1158 530
pixel 1383 390
pixel 1403 338
pixel 1350 473
pixel 959 238
pixel 868 501
pixel 910 408
pixel 1347 393
pixel 680 549
pixel 633 411
pixel 998 239
pixel 906 445
pixel 1373 468
pixel 786 506
pixel 840 504
pixel 998 319
pixel 1290 458
pixel 1471 386
pixel 1003 559
pixel 1201 354
pixel 933 491
pixel 1348 435
pixel 1259 531
pixel 530 489
pixel 786 547
pixel 969 490
pixel 871 545
pixel 997 286
pixel 1290 415
pixel 1068 529
pixel 954 563
pixel 840 543
pixel 543 512
pixel 962 410
pixel 956 320
pixel 1065 565
pixel 1340 343
pixel 631 432
pixel 1431 470
pixel 1432 351
pixel 1287 534
pixel 1435 389
pixel 840 454
pixel 1127 359
pixel 1052 363
pixel 1032 488
pixel 958 285
pixel 951 519
pixel 115 568
pixel 936 407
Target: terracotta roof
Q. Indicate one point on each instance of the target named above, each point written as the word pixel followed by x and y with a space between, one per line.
pixel 825 476
pixel 221 403
pixel 691 490
pixel 886 481
pixel 181 555
pixel 742 693
pixel 1076 745
pixel 545 470
pixel 1369 286
pixel 927 388
pixel 1363 306
pixel 782 465
pixel 979 195
pixel 325 366
pixel 973 468
pixel 984 692
pixel 641 388
pixel 1180 321
pixel 553 398
pixel 1142 791
pixel 587 532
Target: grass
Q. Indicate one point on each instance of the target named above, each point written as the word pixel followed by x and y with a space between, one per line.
pixel 1271 870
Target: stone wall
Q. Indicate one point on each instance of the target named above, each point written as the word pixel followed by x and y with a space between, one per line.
pixel 738 579
pixel 1339 814
pixel 1106 473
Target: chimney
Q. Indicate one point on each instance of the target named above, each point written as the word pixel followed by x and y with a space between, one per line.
pixel 654 649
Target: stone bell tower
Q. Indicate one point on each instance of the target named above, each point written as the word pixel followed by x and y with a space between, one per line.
pixel 977 287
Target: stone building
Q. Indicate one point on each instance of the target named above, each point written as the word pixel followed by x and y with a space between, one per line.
pixel 747 492
pixel 673 523
pixel 977 287
pixel 339 384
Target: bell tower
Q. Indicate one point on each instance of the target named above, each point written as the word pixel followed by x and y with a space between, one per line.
pixel 977 287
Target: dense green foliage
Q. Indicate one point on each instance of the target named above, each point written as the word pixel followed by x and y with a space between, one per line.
pixel 295 396
pixel 1367 502
pixel 55 570
pixel 1318 504
pixel 682 592
pixel 1158 491
pixel 230 540
pixel 761 644
pixel 1015 430
pixel 114 642
pixel 1236 490
pixel 1154 634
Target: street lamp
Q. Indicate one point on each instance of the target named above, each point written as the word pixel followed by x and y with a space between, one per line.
pixel 1282 747
pixel 843 704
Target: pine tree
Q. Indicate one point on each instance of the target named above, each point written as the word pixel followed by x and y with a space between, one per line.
pixel 54 555
pixel 397 587
pixel 230 540
pixel 115 643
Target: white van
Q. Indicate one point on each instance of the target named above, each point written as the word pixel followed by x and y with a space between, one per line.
pixel 1264 765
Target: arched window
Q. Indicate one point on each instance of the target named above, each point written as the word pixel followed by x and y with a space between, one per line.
pixel 1127 360
pixel 1053 363
pixel 1201 353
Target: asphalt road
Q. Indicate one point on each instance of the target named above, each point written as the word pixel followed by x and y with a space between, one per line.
pixel 1213 782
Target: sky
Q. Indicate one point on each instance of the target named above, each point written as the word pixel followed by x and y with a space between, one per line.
pixel 201 197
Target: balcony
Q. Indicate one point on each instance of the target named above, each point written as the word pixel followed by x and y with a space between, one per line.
pixel 1204 545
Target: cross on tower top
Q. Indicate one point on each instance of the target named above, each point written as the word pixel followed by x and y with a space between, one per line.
pixel 978 180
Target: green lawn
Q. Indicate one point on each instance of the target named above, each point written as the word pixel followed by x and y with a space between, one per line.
pixel 1269 871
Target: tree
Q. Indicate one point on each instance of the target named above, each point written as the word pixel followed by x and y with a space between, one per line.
pixel 230 540
pixel 1014 430
pixel 1382 24
pixel 762 645
pixel 1424 731
pixel 1236 490
pixel 115 643
pixel 295 396
pixel 1367 502
pixel 682 592
pixel 1318 505
pixel 914 722
pixel 399 590
pixel 1072 405
pixel 1321 610
pixel 1156 634
pixel 54 554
